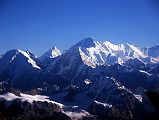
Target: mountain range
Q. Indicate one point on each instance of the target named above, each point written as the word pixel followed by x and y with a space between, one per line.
pixel 111 79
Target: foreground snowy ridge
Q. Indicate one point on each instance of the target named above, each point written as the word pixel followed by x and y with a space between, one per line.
pixel 30 98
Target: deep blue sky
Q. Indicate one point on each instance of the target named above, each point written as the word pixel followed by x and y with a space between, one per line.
pixel 39 24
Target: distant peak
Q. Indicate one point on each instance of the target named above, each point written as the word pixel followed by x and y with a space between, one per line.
pixel 52 53
pixel 87 42
pixel 26 53
pixel 54 49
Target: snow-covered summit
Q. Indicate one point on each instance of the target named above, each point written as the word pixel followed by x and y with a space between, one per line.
pixel 17 61
pixel 123 50
pixel 95 53
pixel 87 43
pixel 52 53
pixel 92 53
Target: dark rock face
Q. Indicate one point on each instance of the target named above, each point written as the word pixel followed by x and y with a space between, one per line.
pixel 134 64
pixel 124 104
pixel 154 98
pixel 31 111
pixel 35 79
pixel 115 113
pixel 72 92
pixel 103 112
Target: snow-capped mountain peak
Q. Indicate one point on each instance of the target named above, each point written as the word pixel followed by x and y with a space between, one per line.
pixel 28 55
pixel 99 53
pixel 123 50
pixel 87 43
pixel 52 53
pixel 92 53
pixel 17 60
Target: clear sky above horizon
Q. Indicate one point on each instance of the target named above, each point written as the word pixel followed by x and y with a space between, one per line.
pixel 39 24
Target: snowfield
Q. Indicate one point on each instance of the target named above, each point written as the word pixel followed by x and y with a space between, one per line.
pixel 30 98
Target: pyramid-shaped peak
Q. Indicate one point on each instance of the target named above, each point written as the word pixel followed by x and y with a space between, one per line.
pixel 12 52
pixel 53 52
pixel 87 42
pixel 16 57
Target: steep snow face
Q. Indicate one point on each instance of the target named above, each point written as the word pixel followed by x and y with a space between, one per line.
pixel 49 55
pixel 124 50
pixel 17 61
pixel 29 57
pixel 52 53
pixel 94 53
